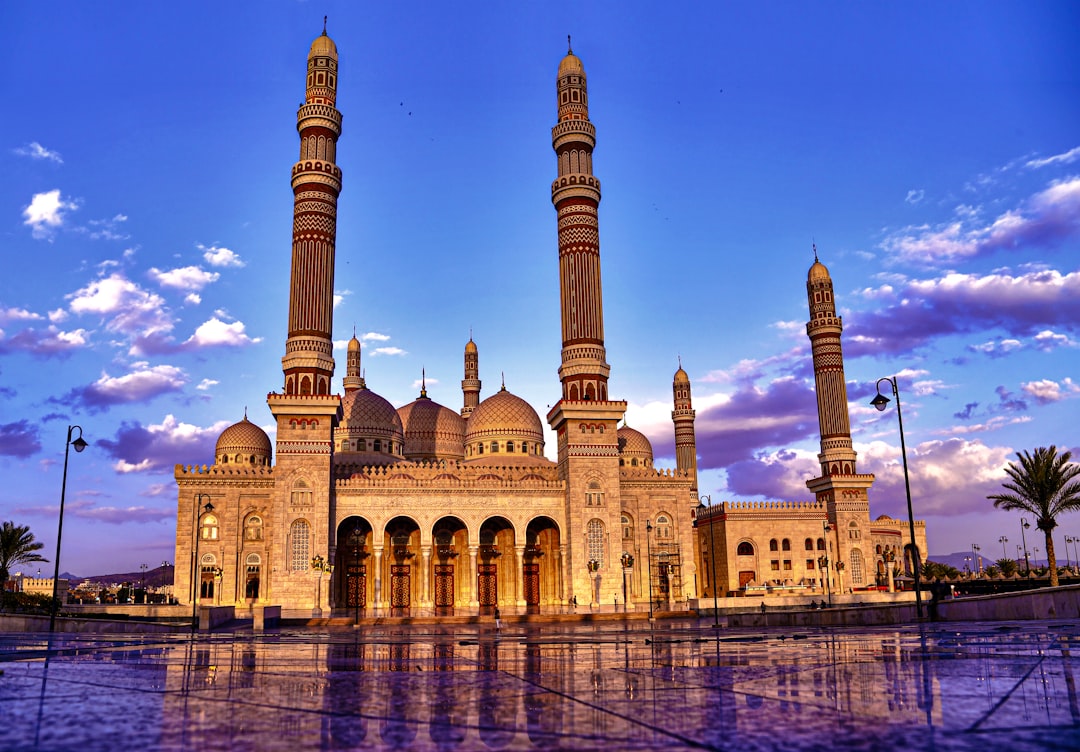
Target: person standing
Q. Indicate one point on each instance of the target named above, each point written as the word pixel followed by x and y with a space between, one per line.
pixel 498 619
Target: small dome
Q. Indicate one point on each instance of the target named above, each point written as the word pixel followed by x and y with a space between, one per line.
pixel 817 272
pixel 470 346
pixel 354 344
pixel 243 443
pixel 323 46
pixel 507 422
pixel 571 66
pixel 634 445
pixel 432 432
pixel 681 377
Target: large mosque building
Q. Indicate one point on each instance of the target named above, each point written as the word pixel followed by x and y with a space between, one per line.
pixel 361 508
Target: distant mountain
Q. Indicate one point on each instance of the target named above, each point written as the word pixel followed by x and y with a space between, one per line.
pixel 962 559
pixel 153 578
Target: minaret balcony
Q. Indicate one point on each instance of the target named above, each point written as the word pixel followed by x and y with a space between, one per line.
pixel 573 131
pixel 319 115
pixel 575 186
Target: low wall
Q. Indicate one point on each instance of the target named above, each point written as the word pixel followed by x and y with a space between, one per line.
pixel 211 617
pixel 68 625
pixel 266 616
pixel 155 612
pixel 1045 603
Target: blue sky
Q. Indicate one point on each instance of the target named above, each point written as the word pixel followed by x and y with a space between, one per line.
pixel 932 151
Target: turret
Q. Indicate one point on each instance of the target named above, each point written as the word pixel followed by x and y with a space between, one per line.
pixel 470 385
pixel 683 418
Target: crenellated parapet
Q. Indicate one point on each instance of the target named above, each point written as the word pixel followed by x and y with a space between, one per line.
pixel 446 475
pixel 767 510
pixel 244 472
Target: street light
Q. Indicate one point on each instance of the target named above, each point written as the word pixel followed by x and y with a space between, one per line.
pixel 1068 561
pixel 164 572
pixel 975 559
pixel 648 555
pixel 712 555
pixel 880 402
pixel 357 532
pixel 823 561
pixel 196 575
pixel 143 568
pixel 1073 540
pixel 80 444
pixel 1027 562
pixel 1003 540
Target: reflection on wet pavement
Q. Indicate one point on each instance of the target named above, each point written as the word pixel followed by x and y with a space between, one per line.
pixel 572 687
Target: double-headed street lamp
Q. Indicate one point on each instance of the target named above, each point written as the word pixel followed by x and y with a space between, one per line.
pixel 1003 540
pixel 80 444
pixel 1024 525
pixel 648 556
pixel 712 554
pixel 880 402
pixel 975 549
pixel 196 570
pixel 1073 540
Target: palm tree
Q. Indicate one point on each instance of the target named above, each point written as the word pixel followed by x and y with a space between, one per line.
pixel 17 546
pixel 1044 485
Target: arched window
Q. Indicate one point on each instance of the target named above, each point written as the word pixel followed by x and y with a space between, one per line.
pixel 494 447
pixel 301 494
pixel 510 447
pixel 253 528
pixel 663 527
pixel 774 545
pixel 856 567
pixel 253 566
pixel 524 447
pixel 300 545
pixel 746 548
pixel 627 527
pixel 820 544
pixel 207 574
pixel 785 545
pixel 594 540
pixel 808 544
pixel 209 528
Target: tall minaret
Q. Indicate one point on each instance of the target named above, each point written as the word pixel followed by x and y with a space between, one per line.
pixel 316 183
pixel 840 487
pixel 683 418
pixel 470 385
pixel 576 196
pixel 354 376
pixel 585 420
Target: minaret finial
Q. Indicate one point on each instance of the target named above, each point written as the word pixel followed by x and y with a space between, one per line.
pixel 324 26
pixel 814 243
pixel 680 360
pixel 569 49
pixel 423 383
pixel 245 416
pixel 503 375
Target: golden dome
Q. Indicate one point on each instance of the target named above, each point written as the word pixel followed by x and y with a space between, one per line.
pixel 354 344
pixel 470 346
pixel 432 431
pixel 633 444
pixel 323 46
pixel 365 412
pixel 243 443
pixel 817 272
pixel 681 377
pixel 571 66
pixel 504 413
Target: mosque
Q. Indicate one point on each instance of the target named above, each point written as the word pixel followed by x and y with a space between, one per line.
pixel 362 509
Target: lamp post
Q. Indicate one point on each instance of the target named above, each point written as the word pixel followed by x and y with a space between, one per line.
pixel 648 556
pixel 164 572
pixel 975 558
pixel 1003 540
pixel 880 402
pixel 80 444
pixel 823 561
pixel 712 555
pixel 1027 562
pixel 196 573
pixel 1071 539
pixel 143 568
pixel 357 532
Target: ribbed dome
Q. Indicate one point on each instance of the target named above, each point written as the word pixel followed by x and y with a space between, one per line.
pixel 432 431
pixel 681 377
pixel 366 412
pixel 504 413
pixel 323 46
pixel 633 444
pixel 243 443
pixel 817 271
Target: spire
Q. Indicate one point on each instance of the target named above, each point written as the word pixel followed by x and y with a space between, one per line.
pixel 324 26
pixel 423 383
pixel 815 251
pixel 470 385
pixel 503 374
pixel 569 47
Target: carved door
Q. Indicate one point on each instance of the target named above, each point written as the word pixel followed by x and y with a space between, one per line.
pixel 444 586
pixel 400 586
pixel 744 577
pixel 356 586
pixel 531 574
pixel 487 586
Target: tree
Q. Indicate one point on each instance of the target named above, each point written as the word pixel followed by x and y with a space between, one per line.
pixel 1008 567
pixel 1044 484
pixel 935 570
pixel 17 546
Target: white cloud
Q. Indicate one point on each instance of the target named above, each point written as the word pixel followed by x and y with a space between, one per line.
pixel 133 311
pixel 340 295
pixel 219 256
pixel 190 278
pixel 215 332
pixel 374 337
pixel 914 196
pixel 58 316
pixel 993 424
pixel 426 380
pixel 34 150
pixel 997 348
pixel 1046 391
pixel 46 212
pixel 388 351
pixel 192 298
pixel 1067 157
pixel 1047 340
pixel 206 384
pixel 142 383
pixel 18 314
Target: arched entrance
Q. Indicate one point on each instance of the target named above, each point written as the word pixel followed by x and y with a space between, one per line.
pixel 540 564
pixel 401 542
pixel 494 580
pixel 450 538
pixel 352 578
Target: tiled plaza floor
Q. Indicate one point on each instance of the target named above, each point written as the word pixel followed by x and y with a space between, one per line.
pixel 611 686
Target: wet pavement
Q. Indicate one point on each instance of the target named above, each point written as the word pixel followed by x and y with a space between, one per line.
pixel 606 686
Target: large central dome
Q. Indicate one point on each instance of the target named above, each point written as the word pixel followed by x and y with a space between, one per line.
pixel 504 424
pixel 369 424
pixel 432 432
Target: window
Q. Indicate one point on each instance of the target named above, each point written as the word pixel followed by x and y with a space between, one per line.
pixel 299 538
pixel 209 528
pixel 810 564
pixel 787 565
pixel 774 565
pixel 594 540
pixel 663 527
pixel 856 567
pixel 494 447
pixel 251 586
pixel 253 528
pixel 745 549
pixel 301 494
pixel 362 445
pixel 378 445
pixel 786 545
pixel 808 544
pixel 820 544
pixel 773 545
pixel 524 447
pixel 627 527
pixel 510 447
